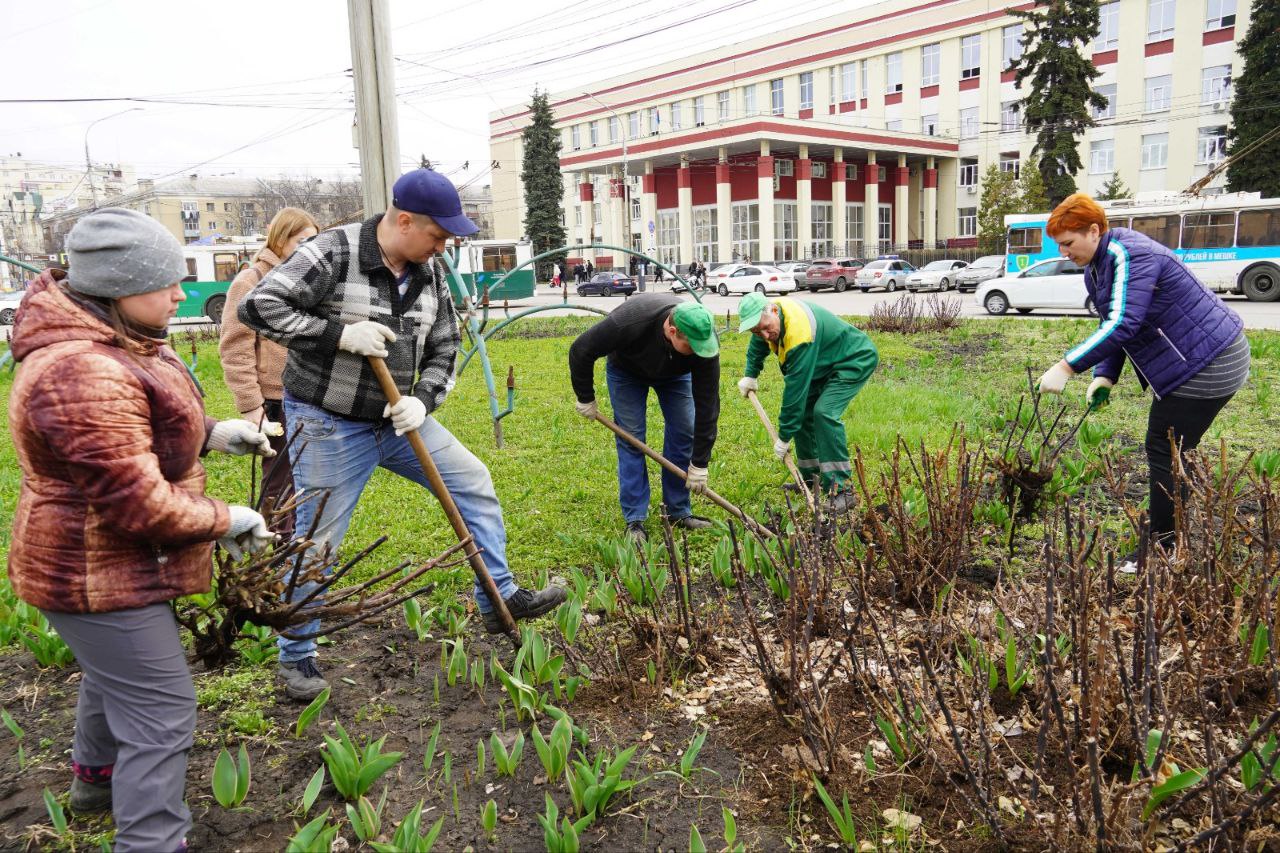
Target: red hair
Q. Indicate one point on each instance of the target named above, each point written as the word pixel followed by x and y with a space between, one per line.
pixel 1076 213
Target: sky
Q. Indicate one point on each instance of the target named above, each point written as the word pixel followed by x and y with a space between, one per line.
pixel 263 88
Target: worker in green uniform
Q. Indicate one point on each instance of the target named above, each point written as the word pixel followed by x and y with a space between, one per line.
pixel 824 363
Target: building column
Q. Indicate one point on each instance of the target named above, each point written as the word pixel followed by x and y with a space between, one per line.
pixel 839 221
pixel 901 203
pixel 871 208
pixel 764 202
pixel 649 210
pixel 804 203
pixel 724 210
pixel 930 204
pixel 619 228
pixel 586 200
pixel 684 194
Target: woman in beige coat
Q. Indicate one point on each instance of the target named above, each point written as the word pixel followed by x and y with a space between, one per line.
pixel 252 365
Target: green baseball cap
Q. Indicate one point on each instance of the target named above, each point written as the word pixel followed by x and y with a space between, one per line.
pixel 695 323
pixel 749 311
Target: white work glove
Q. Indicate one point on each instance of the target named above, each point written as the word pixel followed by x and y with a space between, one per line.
pixel 747 384
pixel 238 437
pixel 248 533
pixel 406 415
pixel 1099 393
pixel 366 338
pixel 265 426
pixel 1054 379
pixel 781 448
pixel 696 479
pixel 588 410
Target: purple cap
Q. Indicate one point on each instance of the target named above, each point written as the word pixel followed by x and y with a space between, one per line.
pixel 430 193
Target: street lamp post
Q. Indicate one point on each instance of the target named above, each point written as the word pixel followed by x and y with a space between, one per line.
pixel 88 163
pixel 626 173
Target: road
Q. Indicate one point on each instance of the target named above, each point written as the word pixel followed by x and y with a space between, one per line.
pixel 1257 315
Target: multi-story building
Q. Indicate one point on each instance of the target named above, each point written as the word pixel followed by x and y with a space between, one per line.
pixel 477 205
pixel 31 190
pixel 865 131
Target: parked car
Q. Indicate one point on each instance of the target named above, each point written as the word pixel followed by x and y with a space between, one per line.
pixel 935 275
pixel 720 273
pixel 836 273
pixel 9 306
pixel 757 277
pixel 983 269
pixel 608 284
pixel 1055 283
pixel 889 273
pixel 796 268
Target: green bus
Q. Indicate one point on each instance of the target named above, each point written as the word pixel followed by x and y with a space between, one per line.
pixel 481 263
pixel 210 270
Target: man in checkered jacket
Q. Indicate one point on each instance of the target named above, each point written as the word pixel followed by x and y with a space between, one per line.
pixel 375 289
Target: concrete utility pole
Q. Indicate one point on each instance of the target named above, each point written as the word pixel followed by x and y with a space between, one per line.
pixel 373 69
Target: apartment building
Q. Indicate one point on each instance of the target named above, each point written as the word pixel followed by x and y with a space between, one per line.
pixel 865 131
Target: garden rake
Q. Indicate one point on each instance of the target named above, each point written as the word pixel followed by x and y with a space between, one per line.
pixel 790 463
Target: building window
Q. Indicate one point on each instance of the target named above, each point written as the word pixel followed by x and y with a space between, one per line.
pixel 1211 145
pixel 1012 38
pixel 786 246
pixel 775 97
pixel 1219 14
pixel 1009 116
pixel 929 125
pixel 722 105
pixel 930 64
pixel 1011 163
pixel 853 229
pixel 633 125
pixel 251 223
pixel 832 83
pixel 969 172
pixel 226 207
pixel 594 129
pixel 208 207
pixel 851 172
pixel 1160 19
pixel 863 90
pixel 806 90
pixel 848 81
pixel 819 169
pixel 820 241
pixel 744 232
pixel 893 124
pixel 577 215
pixel 1155 150
pixel 1109 111
pixel 669 236
pixel 749 100
pixel 699 111
pixel 1102 156
pixel 886 227
pixel 615 129
pixel 1159 91
pixel 146 209
pixel 1108 27
pixel 213 225
pixel 704 233
pixel 969 123
pixel 970 56
pixel 655 120
pixel 785 168
pixel 1215 85
pixel 893 73
pixel 968 221
pixel 576 136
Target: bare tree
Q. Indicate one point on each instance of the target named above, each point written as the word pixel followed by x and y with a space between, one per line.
pixel 332 202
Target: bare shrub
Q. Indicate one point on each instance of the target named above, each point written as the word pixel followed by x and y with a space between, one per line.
pixel 910 314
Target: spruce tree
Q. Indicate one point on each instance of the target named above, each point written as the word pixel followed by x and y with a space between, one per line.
pixel 1000 197
pixel 1057 107
pixel 1252 115
pixel 1114 189
pixel 543 186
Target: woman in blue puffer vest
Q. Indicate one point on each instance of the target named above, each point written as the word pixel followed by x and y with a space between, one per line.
pixel 1183 341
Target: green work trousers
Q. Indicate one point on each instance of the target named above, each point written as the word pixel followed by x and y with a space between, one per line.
pixel 821 447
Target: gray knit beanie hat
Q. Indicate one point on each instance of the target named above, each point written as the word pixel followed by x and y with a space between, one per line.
pixel 116 252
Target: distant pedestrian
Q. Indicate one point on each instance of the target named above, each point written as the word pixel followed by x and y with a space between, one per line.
pixel 591 270
pixel 578 272
pixel 657 274
pixel 555 275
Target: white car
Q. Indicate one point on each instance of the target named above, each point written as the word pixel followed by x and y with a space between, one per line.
pixel 9 305
pixel 1056 283
pixel 890 274
pixel 936 275
pixel 757 277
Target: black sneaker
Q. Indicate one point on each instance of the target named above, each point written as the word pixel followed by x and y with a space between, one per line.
pixel 89 796
pixel 524 604
pixel 841 502
pixel 692 522
pixel 636 532
pixel 302 679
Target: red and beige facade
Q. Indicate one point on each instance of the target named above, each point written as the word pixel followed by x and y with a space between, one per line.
pixel 864 132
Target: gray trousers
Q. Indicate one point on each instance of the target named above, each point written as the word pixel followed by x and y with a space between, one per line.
pixel 137 710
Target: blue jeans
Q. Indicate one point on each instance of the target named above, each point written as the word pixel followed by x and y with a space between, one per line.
pixel 629 395
pixel 340 455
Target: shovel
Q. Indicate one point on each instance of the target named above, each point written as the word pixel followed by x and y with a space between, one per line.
pixel 450 508
pixel 756 526
pixel 790 463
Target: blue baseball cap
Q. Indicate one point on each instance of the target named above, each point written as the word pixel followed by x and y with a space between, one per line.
pixel 428 192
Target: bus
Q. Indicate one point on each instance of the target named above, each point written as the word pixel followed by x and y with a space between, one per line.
pixel 210 270
pixel 481 263
pixel 1230 241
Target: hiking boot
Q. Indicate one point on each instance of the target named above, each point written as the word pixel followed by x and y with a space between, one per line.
pixel 302 679
pixel 636 532
pixel 841 502
pixel 523 604
pixel 692 522
pixel 89 796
